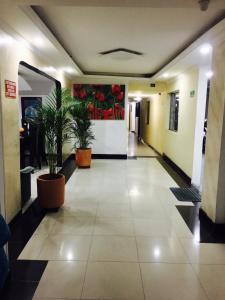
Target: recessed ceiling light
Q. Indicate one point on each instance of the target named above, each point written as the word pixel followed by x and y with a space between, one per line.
pixel 38 41
pixel 209 74
pixel 48 69
pixel 5 40
pixel 205 49
pixel 138 98
pixel 69 70
pixel 165 75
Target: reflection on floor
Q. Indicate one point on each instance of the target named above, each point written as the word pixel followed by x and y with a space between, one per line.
pixel 123 238
pixel 34 177
pixel 138 148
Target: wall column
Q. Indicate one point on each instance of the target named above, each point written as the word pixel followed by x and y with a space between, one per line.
pixel 2 190
pixel 213 195
pixel 199 127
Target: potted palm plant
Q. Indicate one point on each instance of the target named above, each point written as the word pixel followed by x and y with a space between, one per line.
pixel 82 132
pixel 55 124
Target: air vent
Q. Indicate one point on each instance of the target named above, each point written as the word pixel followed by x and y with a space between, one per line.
pixel 152 85
pixel 121 50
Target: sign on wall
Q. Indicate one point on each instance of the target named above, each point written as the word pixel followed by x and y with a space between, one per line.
pixel 10 89
pixel 104 102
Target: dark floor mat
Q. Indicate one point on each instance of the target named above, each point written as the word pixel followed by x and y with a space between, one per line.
pixel 186 194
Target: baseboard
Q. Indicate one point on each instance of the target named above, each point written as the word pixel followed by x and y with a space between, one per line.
pixel 185 177
pixel 150 146
pixel 109 156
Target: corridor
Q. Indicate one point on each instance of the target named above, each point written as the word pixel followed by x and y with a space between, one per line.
pixel 138 148
pixel 122 237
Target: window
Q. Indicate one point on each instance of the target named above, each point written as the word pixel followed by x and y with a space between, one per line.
pixel 174 111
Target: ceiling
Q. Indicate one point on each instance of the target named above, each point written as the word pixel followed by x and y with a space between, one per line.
pixel 158 31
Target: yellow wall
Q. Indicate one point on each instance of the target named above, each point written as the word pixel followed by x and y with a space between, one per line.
pixel 178 146
pixel 143 86
pixel 10 57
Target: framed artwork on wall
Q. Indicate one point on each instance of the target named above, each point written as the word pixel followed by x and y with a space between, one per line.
pixel 104 102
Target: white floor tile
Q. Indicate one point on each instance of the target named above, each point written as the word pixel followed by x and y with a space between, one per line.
pixel 204 253
pixel 212 278
pixel 114 248
pixel 164 250
pixel 62 280
pixel 66 247
pixel 113 280
pixel 171 281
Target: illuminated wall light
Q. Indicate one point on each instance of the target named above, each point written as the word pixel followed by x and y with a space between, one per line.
pixel 166 75
pixel 6 40
pixel 156 252
pixel 137 98
pixel 23 43
pixel 38 41
pixel 134 192
pixel 205 49
pixel 69 70
pixel 209 74
pixel 48 69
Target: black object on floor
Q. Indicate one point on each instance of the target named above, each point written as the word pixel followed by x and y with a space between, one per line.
pixel 25 275
pixel 186 194
pixel 178 176
pixel 198 221
pixel 23 279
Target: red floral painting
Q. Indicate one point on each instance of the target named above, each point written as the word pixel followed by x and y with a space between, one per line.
pixel 104 102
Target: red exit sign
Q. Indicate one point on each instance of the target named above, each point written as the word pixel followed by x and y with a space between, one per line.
pixel 10 89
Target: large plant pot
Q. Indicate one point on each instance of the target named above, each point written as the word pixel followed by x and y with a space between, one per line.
pixel 51 190
pixel 83 157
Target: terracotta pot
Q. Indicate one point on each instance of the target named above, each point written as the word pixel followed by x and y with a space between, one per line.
pixel 51 190
pixel 83 157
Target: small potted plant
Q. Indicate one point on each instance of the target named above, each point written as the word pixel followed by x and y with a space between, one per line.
pixel 55 125
pixel 82 132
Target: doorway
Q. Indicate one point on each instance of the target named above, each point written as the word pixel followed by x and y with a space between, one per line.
pixel 34 87
pixel 139 116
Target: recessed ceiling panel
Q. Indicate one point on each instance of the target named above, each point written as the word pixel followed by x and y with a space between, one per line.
pixel 158 33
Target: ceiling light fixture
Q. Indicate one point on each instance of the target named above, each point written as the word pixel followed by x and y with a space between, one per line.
pixel 205 49
pixel 165 75
pixel 38 41
pixel 69 70
pixel 209 74
pixel 49 69
pixel 137 98
pixel 6 40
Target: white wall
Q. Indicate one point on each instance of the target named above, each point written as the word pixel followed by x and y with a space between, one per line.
pixel 133 116
pixel 9 110
pixel 111 136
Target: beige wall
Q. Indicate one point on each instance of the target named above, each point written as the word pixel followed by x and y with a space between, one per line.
pixel 10 57
pixel 213 194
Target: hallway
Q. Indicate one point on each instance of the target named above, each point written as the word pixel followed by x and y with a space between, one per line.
pixel 138 148
pixel 122 237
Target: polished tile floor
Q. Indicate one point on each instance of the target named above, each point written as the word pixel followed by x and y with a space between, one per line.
pixel 138 148
pixel 119 236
